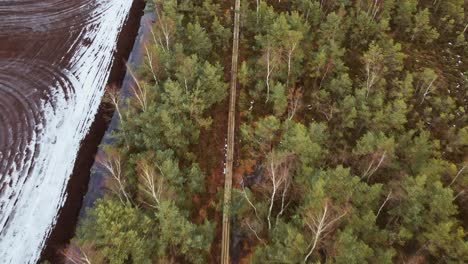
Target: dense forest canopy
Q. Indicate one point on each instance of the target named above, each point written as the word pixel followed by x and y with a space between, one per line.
pixel 352 139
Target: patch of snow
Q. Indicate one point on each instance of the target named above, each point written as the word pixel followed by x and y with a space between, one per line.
pixel 67 122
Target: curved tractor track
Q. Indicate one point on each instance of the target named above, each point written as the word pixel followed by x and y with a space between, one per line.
pixel 55 60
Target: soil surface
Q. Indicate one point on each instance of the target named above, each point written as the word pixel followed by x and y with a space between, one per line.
pixel 54 59
pixel 77 187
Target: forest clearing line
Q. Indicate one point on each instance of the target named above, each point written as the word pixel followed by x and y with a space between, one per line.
pixel 225 258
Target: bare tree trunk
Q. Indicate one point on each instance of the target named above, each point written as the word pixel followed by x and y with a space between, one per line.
pixel 290 53
pixel 152 185
pixel 157 40
pixel 250 203
pixel 374 8
pixel 383 204
pixel 436 5
pixel 458 194
pixel 320 225
pixel 307 14
pixel 74 254
pixel 273 194
pixel 458 174
pixel 371 76
pixel 278 171
pixel 269 70
pixel 295 104
pixel 113 164
pixel 378 165
pixel 280 177
pixel 139 92
pixel 150 60
pixel 116 100
pixel 162 22
pixel 368 169
pixel 428 90
pixel 255 233
pixel 324 75
pixel 283 198
pixel 258 8
pixel 317 229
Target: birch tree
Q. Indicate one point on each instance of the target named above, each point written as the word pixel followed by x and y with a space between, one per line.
pixel 114 96
pixel 271 60
pixel 165 27
pixel 320 224
pixel 140 91
pixel 374 67
pixel 151 183
pixel 378 150
pixel 426 83
pixel 78 255
pixel 112 162
pixel 279 173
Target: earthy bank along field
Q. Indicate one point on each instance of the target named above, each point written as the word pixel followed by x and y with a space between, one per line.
pixel 351 142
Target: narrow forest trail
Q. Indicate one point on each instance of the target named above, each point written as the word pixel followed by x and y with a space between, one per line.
pixel 225 241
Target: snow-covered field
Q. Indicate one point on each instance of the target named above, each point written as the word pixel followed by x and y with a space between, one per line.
pixel 38 177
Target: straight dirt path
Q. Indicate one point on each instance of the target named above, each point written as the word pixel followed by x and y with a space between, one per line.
pixel 225 241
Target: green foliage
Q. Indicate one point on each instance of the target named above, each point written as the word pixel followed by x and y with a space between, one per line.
pixel 422 30
pixel 420 150
pixel 310 10
pixel 261 136
pixel 306 143
pixel 221 35
pixel 176 233
pixel 279 99
pixel 119 241
pixel 377 101
pixel 462 137
pixel 427 214
pixel 350 249
pixel 371 143
pixel 288 246
pixel 198 41
pixel 332 30
pixel 451 15
pixel 151 162
pixel 352 114
pixel 404 13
